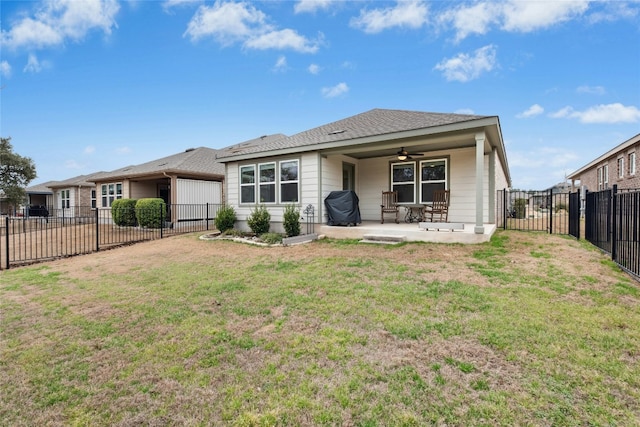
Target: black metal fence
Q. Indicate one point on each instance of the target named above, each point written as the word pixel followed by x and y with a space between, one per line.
pixel 538 211
pixel 32 236
pixel 612 221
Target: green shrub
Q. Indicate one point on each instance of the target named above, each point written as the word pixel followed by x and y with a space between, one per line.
pixel 271 238
pixel 520 208
pixel 559 207
pixel 259 220
pixel 291 220
pixel 151 213
pixel 123 212
pixel 225 218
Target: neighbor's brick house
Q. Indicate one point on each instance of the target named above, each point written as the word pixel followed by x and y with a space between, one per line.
pixel 617 166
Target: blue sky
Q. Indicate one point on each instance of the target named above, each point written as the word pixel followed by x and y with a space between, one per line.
pixel 91 85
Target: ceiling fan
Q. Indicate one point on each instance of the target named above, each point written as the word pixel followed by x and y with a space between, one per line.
pixel 403 154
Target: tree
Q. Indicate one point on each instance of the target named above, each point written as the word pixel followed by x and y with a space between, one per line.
pixel 16 172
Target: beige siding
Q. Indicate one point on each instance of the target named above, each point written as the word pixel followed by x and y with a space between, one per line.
pixel 140 190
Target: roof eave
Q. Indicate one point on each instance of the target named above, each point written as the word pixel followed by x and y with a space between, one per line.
pixel 451 127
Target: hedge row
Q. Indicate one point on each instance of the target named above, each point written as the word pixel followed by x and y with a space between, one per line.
pixel 147 213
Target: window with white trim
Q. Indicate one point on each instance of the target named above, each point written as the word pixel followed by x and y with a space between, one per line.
pixel 93 199
pixel 603 177
pixel 248 184
pixel 632 163
pixel 403 180
pixel 267 187
pixel 262 184
pixel 433 176
pixel 621 167
pixel 65 199
pixel 289 181
pixel 110 192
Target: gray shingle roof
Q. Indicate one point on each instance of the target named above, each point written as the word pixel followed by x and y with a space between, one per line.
pixel 201 161
pixel 371 123
pixel 81 180
pixel 42 188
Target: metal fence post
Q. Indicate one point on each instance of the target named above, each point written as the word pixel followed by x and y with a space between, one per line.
pixel 97 231
pixel 6 235
pixel 613 221
pixel 207 217
pixel 550 207
pixel 162 208
pixel 504 209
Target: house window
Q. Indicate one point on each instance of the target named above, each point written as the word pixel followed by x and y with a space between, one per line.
pixel 433 176
pixel 403 180
pixel 621 167
pixel 65 199
pixel 267 188
pixel 270 187
pixel 110 192
pixel 248 184
pixel 93 199
pixel 289 181
pixel 632 163
pixel 603 177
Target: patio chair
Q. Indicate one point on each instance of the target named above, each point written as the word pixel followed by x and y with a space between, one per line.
pixel 389 205
pixel 439 207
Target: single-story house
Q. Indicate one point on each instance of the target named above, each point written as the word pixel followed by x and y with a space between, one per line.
pixel 192 177
pixel 616 166
pixel 40 195
pixel 74 196
pixel 411 152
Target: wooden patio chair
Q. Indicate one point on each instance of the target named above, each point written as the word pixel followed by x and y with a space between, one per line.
pixel 389 205
pixel 439 207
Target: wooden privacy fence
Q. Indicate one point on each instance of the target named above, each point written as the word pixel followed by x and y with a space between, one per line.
pixel 57 233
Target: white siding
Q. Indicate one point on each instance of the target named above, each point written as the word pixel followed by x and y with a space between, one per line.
pixel 192 191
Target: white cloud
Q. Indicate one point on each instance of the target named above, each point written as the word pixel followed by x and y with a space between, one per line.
pixel 526 16
pixel 226 22
pixel 534 110
pixel 337 90
pixel 282 39
pixel 464 111
pixel 314 68
pixel 281 64
pixel 542 157
pixel 475 19
pixel 312 6
pixel 123 150
pixel 34 65
pixel 410 14
pixel 511 16
pixel 59 20
pixel 613 11
pixel 167 5
pixel 5 69
pixel 604 113
pixel 72 164
pixel 465 67
pixel 89 149
pixel 230 23
pixel 592 90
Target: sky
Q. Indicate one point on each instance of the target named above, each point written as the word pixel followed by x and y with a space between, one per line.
pixel 96 85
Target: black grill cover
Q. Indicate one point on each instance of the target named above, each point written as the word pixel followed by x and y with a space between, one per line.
pixel 342 208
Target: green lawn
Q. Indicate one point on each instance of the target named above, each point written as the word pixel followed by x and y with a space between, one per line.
pixel 529 329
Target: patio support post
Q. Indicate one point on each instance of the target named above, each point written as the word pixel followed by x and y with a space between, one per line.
pixel 479 227
pixel 492 186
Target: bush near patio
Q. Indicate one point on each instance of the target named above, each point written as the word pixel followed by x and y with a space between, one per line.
pixel 259 220
pixel 151 212
pixel 291 220
pixel 123 212
pixel 225 218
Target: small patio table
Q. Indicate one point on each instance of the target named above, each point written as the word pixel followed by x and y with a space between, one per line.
pixel 415 213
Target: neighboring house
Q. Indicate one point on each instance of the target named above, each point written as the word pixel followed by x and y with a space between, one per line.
pixel 74 196
pixel 616 166
pixel 188 178
pixel 40 195
pixel 462 153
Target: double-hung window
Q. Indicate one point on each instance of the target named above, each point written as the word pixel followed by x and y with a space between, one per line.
pixel 621 167
pixel 273 182
pixel 289 181
pixel 433 176
pixel 632 163
pixel 65 199
pixel 248 184
pixel 267 188
pixel 603 177
pixel 403 180
pixel 110 192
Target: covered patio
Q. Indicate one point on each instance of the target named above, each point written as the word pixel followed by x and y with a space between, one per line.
pixel 408 232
